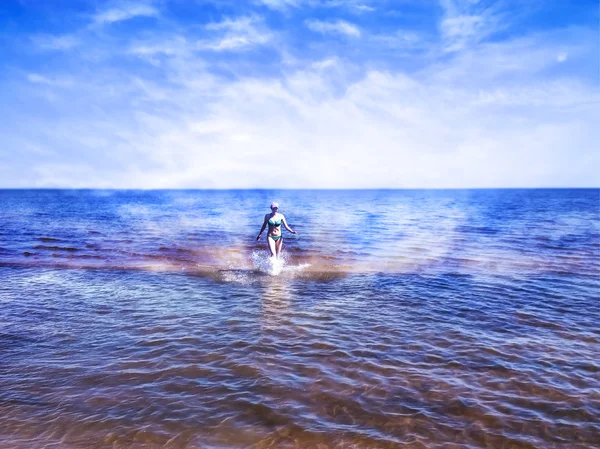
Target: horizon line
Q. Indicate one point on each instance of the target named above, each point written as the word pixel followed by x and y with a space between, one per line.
pixel 298 188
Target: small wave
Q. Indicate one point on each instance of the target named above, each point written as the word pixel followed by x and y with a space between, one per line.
pixel 56 248
pixel 48 239
pixel 117 241
pixel 85 256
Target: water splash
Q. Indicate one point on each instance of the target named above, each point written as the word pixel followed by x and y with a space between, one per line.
pixel 268 264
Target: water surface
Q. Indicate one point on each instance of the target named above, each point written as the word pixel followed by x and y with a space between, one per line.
pixel 421 319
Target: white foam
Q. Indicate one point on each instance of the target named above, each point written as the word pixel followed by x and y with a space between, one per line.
pixel 267 264
pixel 275 266
pixel 297 267
pixel 262 262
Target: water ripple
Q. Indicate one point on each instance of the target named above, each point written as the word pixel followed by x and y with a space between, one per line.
pixel 466 321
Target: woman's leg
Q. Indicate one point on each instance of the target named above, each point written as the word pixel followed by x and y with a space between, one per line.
pixel 279 246
pixel 272 243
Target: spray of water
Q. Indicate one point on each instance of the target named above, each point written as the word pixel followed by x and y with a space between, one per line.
pixel 270 265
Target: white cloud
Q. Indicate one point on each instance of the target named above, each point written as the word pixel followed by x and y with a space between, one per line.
pixel 490 115
pixel 49 42
pixel 125 11
pixel 356 6
pixel 152 51
pixel 337 27
pixel 324 64
pixel 434 129
pixel 60 175
pixel 467 22
pixel 38 79
pixel 459 29
pixel 170 47
pixel 279 4
pixel 236 34
pixel 365 8
pixel 400 40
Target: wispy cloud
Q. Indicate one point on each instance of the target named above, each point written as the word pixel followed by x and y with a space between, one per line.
pixel 50 42
pixel 279 4
pixel 36 78
pixel 125 11
pixel 222 137
pixel 364 8
pixel 336 27
pixel 236 34
pixel 467 22
pixel 400 40
pixel 324 64
pixel 356 6
pixel 150 50
pixel 562 56
pixel 458 114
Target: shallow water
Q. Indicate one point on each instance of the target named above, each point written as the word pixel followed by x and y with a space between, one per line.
pixel 421 319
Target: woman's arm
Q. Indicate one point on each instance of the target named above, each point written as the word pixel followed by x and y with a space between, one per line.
pixel 286 225
pixel 263 227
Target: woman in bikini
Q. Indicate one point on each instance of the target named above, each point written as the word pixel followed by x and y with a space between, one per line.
pixel 274 237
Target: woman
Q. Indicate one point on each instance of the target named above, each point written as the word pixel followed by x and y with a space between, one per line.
pixel 274 237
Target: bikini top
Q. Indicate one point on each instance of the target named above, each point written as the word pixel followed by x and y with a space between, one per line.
pixel 274 223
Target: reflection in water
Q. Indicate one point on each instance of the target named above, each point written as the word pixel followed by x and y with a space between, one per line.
pixel 276 302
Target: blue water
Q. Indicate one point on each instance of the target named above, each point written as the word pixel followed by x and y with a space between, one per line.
pixel 433 318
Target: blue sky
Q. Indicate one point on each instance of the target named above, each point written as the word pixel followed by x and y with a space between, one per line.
pixel 299 93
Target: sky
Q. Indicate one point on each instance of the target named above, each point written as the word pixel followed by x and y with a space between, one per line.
pixel 299 94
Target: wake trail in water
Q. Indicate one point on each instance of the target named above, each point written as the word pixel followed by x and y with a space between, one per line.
pixel 262 264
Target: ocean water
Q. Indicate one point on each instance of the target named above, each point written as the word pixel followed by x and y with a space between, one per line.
pixel 399 319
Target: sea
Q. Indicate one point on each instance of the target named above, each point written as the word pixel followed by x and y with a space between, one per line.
pixel 421 319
